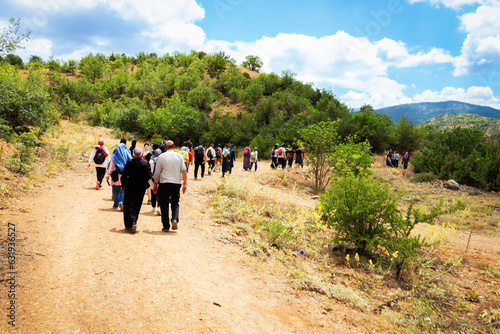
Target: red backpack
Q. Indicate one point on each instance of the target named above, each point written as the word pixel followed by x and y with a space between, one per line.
pixel 247 152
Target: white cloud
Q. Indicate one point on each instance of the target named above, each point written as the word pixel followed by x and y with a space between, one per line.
pixel 37 46
pixel 455 4
pixel 481 48
pixel 475 95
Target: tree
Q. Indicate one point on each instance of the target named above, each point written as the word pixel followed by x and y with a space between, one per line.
pixel 319 141
pixel 253 62
pixel 10 38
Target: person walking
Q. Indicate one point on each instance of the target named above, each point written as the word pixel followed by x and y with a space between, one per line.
pixel 396 159
pixel 135 180
pixel 274 157
pixel 211 158
pixel 282 157
pixel 290 152
pixel 246 157
pixel 225 160
pixel 200 158
pixel 170 174
pixel 253 159
pixel 100 157
pixel 155 203
pixel 119 158
pixel 406 158
pixel 299 157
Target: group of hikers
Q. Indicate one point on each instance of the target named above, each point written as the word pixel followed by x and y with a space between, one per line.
pixel 392 159
pixel 160 172
pixel 281 155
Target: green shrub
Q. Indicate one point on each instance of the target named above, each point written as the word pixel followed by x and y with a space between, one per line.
pixel 423 177
pixel 21 161
pixel 278 233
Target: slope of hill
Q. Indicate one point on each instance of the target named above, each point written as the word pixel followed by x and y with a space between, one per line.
pixel 490 126
pixel 421 112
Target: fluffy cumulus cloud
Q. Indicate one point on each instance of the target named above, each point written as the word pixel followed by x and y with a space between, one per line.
pixel 353 64
pixel 481 48
pixel 474 95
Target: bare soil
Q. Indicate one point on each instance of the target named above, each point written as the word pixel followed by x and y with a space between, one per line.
pixel 79 271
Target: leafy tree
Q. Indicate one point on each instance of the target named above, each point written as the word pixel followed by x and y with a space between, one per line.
pixel 217 63
pixel 36 59
pixel 23 102
pixel 11 38
pixel 92 67
pixel 22 159
pixel 374 127
pixel 201 98
pixel 253 63
pixel 319 141
pixel 407 136
pixel 14 60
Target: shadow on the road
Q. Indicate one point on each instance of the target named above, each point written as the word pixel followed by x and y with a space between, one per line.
pixel 121 231
pixel 109 209
pixel 170 233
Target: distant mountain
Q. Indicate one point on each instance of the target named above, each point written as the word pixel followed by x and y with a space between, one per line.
pixel 490 126
pixel 421 112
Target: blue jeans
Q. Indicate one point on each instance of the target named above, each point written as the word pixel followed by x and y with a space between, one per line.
pixel 117 195
pixel 251 164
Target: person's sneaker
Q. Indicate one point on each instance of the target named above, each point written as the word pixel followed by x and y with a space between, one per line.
pixel 100 185
pixel 158 211
pixel 153 210
pixel 97 185
pixel 202 177
pixel 134 228
pixel 196 178
pixel 121 206
pixel 174 224
pixel 164 229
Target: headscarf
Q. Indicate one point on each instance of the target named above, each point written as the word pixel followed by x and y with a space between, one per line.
pixel 255 148
pixel 407 155
pixel 100 146
pixel 157 153
pixel 120 156
pixel 137 153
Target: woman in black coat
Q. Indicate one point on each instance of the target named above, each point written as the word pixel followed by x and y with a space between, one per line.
pixel 135 181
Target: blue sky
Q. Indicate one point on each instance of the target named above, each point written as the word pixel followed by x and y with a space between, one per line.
pixel 377 52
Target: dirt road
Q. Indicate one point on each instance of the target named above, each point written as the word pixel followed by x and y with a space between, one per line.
pixel 78 271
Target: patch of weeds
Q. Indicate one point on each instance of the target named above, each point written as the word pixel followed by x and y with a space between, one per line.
pixel 4 190
pixel 423 177
pixel 24 210
pixel 473 191
pixel 278 233
pixel 338 292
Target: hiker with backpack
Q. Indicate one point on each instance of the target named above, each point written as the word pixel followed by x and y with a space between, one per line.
pixel 246 157
pixel 232 158
pixel 100 157
pixel 211 158
pixel 290 152
pixel 200 158
pixel 119 158
pixel 281 152
pixel 253 159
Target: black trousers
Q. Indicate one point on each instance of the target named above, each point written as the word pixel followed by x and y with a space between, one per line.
pixel 169 193
pixel 101 171
pixel 196 166
pixel 132 203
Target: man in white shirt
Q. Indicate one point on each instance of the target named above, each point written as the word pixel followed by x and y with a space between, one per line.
pixel 170 174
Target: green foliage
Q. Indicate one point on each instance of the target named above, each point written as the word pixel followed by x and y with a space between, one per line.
pixel 278 233
pixel 374 127
pixel 423 177
pixel 54 65
pixel 364 212
pixel 352 158
pixel 23 102
pixel 463 155
pixel 201 98
pixel 92 67
pixel 21 161
pixel 319 141
pixel 406 135
pixel 217 64
pixel 253 62
pixel 11 38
